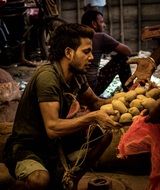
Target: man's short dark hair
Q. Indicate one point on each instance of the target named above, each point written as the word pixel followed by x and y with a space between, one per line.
pixel 89 16
pixel 68 35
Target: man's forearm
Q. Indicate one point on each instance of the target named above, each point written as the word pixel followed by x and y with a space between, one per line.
pixel 100 102
pixel 61 127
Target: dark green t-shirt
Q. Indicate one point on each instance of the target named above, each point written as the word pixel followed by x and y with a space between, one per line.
pixel 46 85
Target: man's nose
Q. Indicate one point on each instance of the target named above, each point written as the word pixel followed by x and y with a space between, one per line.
pixel 91 57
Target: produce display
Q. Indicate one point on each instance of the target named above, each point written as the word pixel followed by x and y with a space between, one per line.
pixel 129 104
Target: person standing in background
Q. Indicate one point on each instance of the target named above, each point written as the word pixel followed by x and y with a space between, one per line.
pixel 13 14
pixel 94 4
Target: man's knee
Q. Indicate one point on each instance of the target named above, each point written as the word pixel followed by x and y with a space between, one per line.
pixel 33 173
pixel 38 180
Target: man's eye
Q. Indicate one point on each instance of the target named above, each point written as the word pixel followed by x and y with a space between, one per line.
pixel 87 51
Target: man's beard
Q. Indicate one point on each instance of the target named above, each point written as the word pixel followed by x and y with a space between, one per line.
pixel 76 70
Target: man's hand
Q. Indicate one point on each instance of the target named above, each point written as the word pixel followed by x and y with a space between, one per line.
pixel 104 120
pixel 154 113
pixel 144 71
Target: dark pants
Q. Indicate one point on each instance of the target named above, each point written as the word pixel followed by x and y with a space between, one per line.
pixel 116 66
pixel 12 15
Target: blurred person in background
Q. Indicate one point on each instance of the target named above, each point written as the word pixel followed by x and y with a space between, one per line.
pixel 105 44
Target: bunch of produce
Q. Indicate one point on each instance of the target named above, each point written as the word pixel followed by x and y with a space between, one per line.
pixel 127 105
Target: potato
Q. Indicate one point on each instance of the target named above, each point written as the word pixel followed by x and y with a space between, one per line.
pixel 107 107
pixel 153 93
pixel 148 103
pixel 141 97
pixel 122 99
pixel 118 95
pixel 140 90
pixel 115 117
pixel 136 103
pixel 118 105
pixel 130 95
pixel 125 118
pixel 134 111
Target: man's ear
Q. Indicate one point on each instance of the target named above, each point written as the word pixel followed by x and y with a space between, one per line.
pixel 94 24
pixel 69 52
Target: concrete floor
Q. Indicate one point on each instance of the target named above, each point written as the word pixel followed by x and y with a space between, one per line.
pixel 119 181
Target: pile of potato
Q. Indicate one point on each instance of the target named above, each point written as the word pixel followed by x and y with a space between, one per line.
pixel 126 105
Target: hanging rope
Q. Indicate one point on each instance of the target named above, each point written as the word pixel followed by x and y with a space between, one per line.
pixel 68 177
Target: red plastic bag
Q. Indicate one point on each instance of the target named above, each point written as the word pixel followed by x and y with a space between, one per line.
pixel 143 137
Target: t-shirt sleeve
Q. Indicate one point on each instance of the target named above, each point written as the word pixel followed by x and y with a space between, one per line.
pixel 47 87
pixel 107 42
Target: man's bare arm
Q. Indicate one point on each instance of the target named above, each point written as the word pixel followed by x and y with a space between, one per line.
pixel 57 127
pixel 123 49
pixel 93 102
